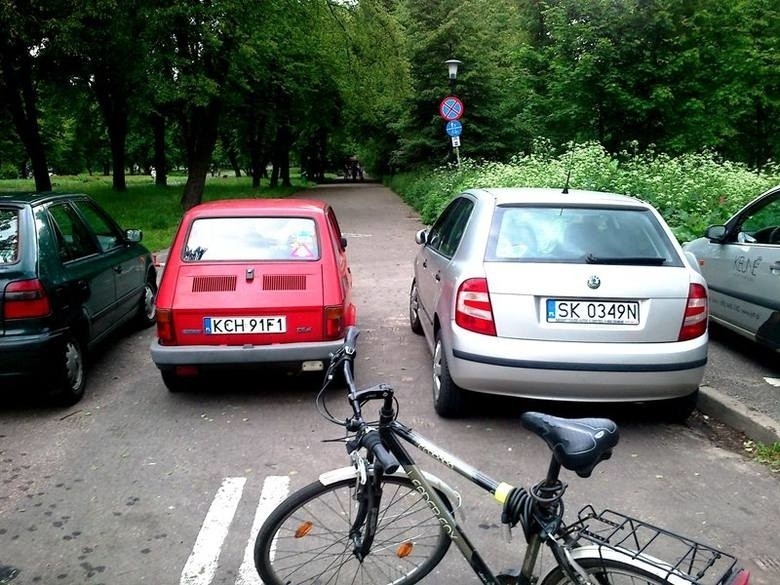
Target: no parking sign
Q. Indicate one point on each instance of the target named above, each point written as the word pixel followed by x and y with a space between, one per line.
pixel 451 108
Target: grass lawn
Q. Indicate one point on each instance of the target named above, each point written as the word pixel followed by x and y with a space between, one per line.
pixel 155 210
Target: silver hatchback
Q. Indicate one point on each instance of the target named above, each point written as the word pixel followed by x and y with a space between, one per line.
pixel 576 296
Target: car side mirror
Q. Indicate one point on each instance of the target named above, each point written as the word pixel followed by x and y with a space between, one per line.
pixel 134 236
pixel 421 237
pixel 343 243
pixel 715 233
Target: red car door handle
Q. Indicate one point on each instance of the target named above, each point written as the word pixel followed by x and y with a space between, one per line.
pixel 425 264
pixel 437 277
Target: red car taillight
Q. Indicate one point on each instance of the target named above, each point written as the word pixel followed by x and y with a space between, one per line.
pixel 473 310
pixel 695 320
pixel 25 299
pixel 334 322
pixel 165 331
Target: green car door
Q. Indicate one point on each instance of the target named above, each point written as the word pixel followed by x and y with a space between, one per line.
pixel 87 274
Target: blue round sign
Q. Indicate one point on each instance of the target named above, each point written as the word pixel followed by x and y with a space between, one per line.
pixel 454 128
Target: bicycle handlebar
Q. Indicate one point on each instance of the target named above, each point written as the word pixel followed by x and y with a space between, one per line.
pixel 372 441
pixel 367 436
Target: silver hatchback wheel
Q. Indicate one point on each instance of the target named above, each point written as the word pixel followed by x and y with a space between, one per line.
pixel 449 399
pixel 414 309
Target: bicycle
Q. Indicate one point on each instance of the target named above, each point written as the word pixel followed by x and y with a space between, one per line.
pixel 385 520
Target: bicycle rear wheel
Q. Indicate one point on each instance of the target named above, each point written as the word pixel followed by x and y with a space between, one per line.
pixel 607 572
pixel 306 539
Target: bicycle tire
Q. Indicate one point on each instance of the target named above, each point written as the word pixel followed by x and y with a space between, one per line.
pixel 306 538
pixel 607 572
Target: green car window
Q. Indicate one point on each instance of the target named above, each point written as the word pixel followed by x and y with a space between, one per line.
pixel 9 236
pixel 73 238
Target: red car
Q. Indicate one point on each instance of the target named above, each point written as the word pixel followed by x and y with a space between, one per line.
pixel 250 283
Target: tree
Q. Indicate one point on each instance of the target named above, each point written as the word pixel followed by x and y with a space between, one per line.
pixel 24 28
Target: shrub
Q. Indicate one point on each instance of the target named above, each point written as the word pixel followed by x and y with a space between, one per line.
pixel 691 191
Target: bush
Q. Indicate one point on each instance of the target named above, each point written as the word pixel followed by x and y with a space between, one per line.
pixel 8 171
pixel 691 191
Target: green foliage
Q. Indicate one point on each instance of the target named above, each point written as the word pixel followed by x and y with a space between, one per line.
pixel 768 454
pixel 691 191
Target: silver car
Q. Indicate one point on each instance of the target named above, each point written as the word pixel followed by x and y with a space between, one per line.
pixel 576 296
pixel 741 262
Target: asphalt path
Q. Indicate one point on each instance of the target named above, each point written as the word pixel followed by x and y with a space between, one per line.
pixel 136 485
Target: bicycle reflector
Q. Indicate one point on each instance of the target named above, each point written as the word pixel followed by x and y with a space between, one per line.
pixel 742 578
pixel 303 529
pixel 404 549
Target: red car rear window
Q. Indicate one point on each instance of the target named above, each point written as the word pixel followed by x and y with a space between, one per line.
pixel 252 238
pixel 9 236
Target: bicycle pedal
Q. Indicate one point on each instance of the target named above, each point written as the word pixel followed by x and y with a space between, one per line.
pixel 509 577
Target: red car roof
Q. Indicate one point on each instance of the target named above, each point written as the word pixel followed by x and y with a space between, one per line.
pixel 228 207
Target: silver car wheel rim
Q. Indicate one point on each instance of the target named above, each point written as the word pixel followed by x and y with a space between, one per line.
pixel 149 308
pixel 74 367
pixel 413 303
pixel 437 371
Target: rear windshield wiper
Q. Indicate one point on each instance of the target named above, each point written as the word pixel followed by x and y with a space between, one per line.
pixel 628 260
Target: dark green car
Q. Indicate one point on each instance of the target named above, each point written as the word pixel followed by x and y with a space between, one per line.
pixel 69 277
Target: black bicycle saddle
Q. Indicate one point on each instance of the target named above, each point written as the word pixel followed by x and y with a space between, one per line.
pixel 578 444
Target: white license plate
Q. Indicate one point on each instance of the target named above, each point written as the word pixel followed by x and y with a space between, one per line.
pixel 244 325
pixel 585 311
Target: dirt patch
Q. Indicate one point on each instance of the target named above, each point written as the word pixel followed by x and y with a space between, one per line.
pixel 719 433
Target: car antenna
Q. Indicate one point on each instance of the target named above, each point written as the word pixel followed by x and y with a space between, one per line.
pixel 568 171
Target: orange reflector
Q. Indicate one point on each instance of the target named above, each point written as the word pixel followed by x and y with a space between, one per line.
pixel 404 550
pixel 303 529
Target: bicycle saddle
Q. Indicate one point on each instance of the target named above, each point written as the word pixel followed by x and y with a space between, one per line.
pixel 578 444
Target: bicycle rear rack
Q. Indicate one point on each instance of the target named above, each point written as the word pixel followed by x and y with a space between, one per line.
pixel 683 557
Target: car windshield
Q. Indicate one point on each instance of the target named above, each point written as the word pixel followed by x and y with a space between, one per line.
pixel 9 236
pixel 593 235
pixel 252 238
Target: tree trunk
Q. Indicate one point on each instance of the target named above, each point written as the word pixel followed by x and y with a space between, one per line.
pixel 282 157
pixel 159 159
pixel 113 105
pixel 232 156
pixel 200 133
pixel 255 160
pixel 21 102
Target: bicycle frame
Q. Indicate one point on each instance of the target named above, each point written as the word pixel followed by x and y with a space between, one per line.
pixel 392 432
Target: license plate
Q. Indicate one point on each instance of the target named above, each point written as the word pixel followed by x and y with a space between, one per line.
pixel 585 311
pixel 244 325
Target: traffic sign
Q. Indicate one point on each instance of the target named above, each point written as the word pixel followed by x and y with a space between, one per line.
pixel 455 141
pixel 451 108
pixel 454 128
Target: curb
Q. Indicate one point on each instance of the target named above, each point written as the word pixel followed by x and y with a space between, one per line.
pixel 756 425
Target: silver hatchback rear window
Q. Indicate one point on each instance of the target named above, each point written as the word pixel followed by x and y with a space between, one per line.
pixel 9 236
pixel 252 238
pixel 579 235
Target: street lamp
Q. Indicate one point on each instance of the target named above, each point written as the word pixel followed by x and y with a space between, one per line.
pixel 452 70
pixel 452 73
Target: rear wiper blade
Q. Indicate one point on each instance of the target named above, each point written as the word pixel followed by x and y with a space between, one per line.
pixel 628 260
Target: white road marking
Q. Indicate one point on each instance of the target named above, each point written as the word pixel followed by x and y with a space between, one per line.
pixel 275 489
pixel 201 567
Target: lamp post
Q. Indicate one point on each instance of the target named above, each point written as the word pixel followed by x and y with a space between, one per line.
pixel 452 71
pixel 452 74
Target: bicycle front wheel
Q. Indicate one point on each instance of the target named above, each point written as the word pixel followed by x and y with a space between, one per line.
pixel 607 572
pixel 306 539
